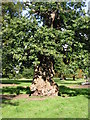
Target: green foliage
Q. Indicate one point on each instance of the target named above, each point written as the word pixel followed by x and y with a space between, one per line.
pixel 28 73
pixel 25 42
pixel 16 44
pixel 13 9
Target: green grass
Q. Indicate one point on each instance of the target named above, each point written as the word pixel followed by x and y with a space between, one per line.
pixel 58 107
pixel 71 103
pixel 63 91
pixel 69 82
pixel 18 82
pixel 15 90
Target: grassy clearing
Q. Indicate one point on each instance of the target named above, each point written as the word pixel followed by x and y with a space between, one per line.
pixel 15 90
pixel 58 107
pixel 63 91
pixel 63 85
pixel 71 103
pixel 68 82
pixel 18 82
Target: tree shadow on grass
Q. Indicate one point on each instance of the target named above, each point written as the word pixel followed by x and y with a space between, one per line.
pixel 26 81
pixel 71 79
pixel 6 100
pixel 79 83
pixel 67 79
pixel 15 81
pixel 10 82
pixel 63 90
pixel 11 93
pixel 17 90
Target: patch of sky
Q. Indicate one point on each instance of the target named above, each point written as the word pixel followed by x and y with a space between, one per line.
pixel 87 3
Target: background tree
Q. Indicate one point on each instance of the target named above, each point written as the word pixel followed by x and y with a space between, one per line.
pixel 13 9
pixel 10 10
pixel 82 35
pixel 15 49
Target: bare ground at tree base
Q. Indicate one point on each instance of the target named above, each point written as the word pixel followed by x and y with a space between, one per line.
pixel 80 86
pixel 22 96
pixel 26 96
pixel 8 85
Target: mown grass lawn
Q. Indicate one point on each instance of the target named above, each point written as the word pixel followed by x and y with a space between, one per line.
pixel 58 107
pixel 17 82
pixel 69 81
pixel 72 103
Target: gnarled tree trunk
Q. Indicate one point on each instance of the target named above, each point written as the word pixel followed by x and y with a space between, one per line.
pixel 43 85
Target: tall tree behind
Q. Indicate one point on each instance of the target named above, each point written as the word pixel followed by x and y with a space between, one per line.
pixel 10 10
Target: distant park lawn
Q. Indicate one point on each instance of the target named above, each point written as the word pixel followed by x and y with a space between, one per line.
pixel 71 103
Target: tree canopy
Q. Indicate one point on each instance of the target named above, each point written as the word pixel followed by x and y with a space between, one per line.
pixel 57 31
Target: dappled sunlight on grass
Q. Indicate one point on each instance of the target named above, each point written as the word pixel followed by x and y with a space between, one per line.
pixel 71 102
pixel 16 90
pixel 63 90
pixel 69 82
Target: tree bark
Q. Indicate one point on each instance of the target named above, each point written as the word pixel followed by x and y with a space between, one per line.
pixel 73 77
pixel 52 19
pixel 43 85
pixel 64 78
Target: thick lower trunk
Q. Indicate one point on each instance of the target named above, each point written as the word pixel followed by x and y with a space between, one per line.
pixel 74 77
pixel 43 85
